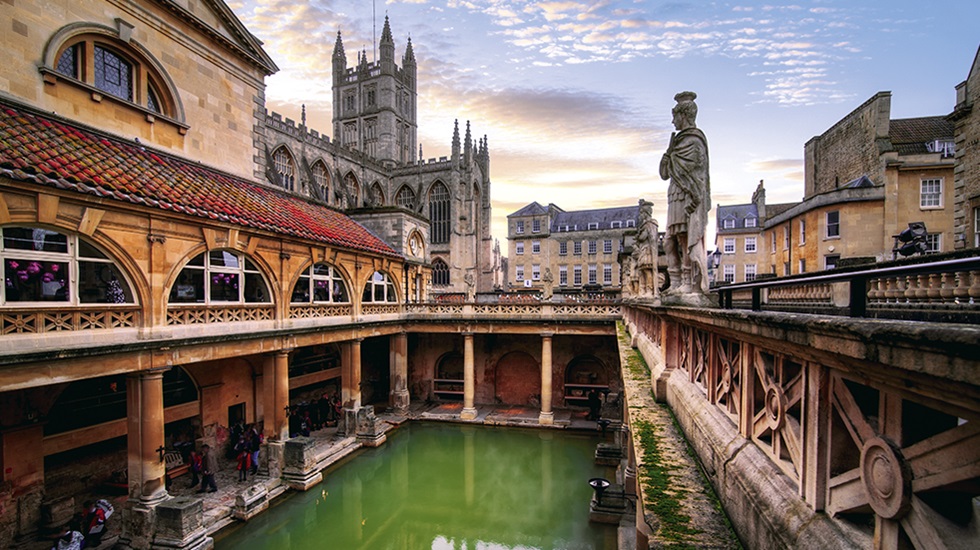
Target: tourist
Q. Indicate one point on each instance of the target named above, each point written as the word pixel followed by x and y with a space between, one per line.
pixel 594 404
pixel 210 462
pixel 93 523
pixel 195 463
pixel 69 540
pixel 254 441
pixel 244 458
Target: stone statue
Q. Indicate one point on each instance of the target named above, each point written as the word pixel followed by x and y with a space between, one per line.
pixel 688 200
pixel 645 252
pixel 548 280
pixel 470 286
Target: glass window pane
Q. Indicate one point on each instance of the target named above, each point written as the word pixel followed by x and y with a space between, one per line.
pixel 35 281
pixel 113 74
pixel 301 292
pixel 340 291
pixel 321 291
pixel 189 287
pixel 390 287
pixel 197 261
pixel 321 269
pixel 102 283
pixel 86 250
pixel 33 238
pixel 255 289
pixel 67 63
pixel 379 293
pixel 224 287
pixel 222 258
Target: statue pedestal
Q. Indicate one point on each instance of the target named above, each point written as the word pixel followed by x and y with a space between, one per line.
pixel 688 299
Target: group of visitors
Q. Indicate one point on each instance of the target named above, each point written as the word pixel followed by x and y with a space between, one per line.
pixel 87 527
pixel 247 453
pixel 308 417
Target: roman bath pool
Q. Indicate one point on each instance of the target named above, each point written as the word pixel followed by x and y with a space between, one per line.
pixel 451 486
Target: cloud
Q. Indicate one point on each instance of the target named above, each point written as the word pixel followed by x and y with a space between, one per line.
pixel 775 165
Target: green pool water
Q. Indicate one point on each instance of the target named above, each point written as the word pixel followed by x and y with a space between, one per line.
pixel 443 486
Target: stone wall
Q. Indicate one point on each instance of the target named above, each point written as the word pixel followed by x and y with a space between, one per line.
pixel 849 149
pixel 967 174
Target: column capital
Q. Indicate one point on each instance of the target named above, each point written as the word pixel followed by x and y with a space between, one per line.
pixel 468 333
pixel 547 334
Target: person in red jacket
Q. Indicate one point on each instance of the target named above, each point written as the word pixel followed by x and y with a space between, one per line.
pixel 93 524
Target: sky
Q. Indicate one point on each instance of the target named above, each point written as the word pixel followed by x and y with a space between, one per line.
pixel 574 96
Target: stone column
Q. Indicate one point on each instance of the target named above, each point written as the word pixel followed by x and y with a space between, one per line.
pixel 547 416
pixel 144 412
pixel 399 399
pixel 275 395
pixel 354 383
pixel 469 411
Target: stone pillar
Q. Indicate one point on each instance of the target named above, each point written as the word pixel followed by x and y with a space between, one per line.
pixel 546 417
pixel 399 399
pixel 275 395
pixel 144 411
pixel 469 411
pixel 180 525
pixel 351 374
pixel 300 470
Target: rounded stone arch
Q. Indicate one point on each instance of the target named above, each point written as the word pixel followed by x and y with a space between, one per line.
pixel 288 172
pixel 119 255
pixel 517 379
pixel 267 272
pixel 346 277
pixel 71 31
pixel 405 197
pixel 322 179
pixel 90 401
pixel 449 366
pixel 352 189
pixel 377 194
pixel 371 284
pixel 587 369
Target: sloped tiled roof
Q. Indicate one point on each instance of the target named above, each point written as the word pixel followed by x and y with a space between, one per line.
pixel 530 210
pixel 57 154
pixel 737 212
pixel 910 135
pixel 602 216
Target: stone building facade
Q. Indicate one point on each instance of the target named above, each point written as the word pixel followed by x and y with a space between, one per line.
pixel 580 248
pixel 967 176
pixel 866 179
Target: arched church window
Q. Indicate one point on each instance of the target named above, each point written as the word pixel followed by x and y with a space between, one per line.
pixel 353 189
pixel 321 179
pixel 284 167
pixel 440 273
pixel 439 213
pixel 320 283
pixel 115 68
pixel 43 266
pixel 377 195
pixel 405 197
pixel 379 288
pixel 220 277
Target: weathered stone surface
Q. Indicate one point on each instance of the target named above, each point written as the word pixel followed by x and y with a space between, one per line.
pixel 180 524
pixel 250 502
pixel 300 464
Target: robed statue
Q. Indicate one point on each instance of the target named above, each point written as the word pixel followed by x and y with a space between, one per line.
pixel 685 164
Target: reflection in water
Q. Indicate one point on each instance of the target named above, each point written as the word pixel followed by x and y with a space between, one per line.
pixel 444 486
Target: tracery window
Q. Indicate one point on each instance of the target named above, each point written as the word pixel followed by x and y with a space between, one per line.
pixel 284 167
pixel 377 195
pixel 321 179
pixel 353 189
pixel 379 288
pixel 439 213
pixel 318 284
pixel 116 69
pixel 220 276
pixel 440 273
pixel 405 197
pixel 40 265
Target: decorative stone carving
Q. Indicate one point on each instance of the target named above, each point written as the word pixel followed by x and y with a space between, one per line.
pixel 548 279
pixel 685 164
pixel 887 478
pixel 644 264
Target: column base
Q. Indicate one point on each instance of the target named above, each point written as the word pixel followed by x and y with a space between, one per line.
pixel 546 418
pixel 468 414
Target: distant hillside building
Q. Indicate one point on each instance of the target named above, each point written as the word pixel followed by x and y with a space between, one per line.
pixel 579 248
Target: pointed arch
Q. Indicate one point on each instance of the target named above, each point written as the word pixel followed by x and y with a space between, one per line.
pixel 321 180
pixel 377 195
pixel 405 197
pixel 439 213
pixel 284 166
pixel 440 273
pixel 353 190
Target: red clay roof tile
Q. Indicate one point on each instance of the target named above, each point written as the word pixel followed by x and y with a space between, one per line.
pixel 55 153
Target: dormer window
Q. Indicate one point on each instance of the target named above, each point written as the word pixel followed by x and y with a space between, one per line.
pixel 728 223
pixel 750 222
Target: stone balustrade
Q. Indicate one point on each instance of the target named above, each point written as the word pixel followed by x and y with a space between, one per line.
pixel 855 430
